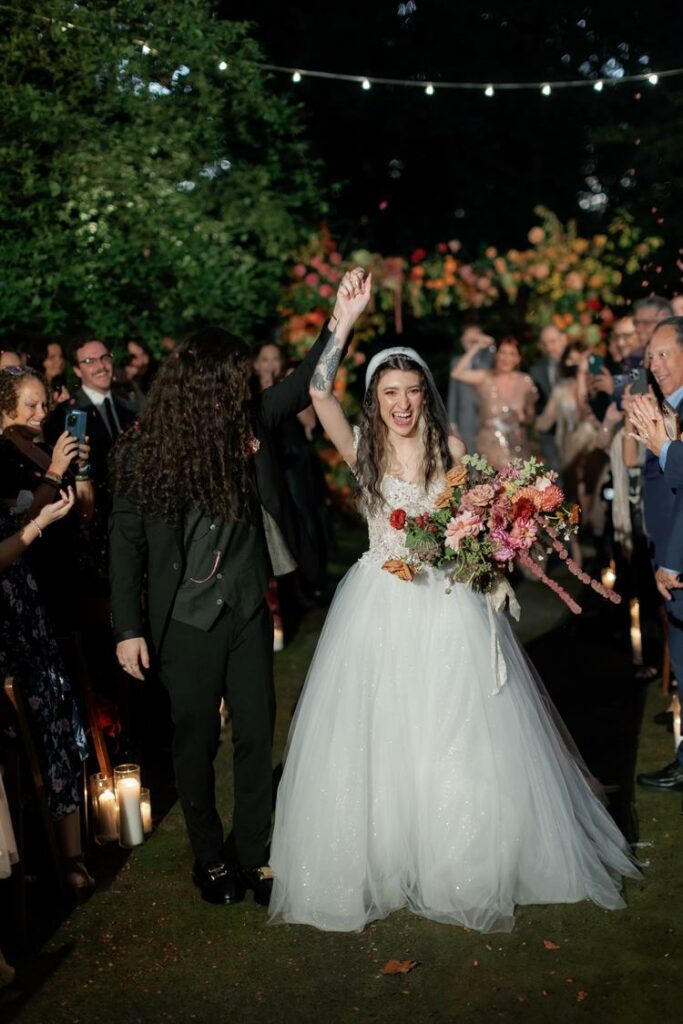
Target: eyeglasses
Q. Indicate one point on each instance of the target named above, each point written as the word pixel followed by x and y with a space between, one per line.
pixel 17 371
pixel 106 360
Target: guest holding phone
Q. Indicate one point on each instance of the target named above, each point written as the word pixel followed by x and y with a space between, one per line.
pixel 31 476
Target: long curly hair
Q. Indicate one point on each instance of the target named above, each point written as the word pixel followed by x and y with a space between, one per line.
pixel 191 446
pixel 372 457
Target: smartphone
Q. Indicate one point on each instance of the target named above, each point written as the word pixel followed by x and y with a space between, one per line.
pixel 639 381
pixel 595 364
pixel 76 424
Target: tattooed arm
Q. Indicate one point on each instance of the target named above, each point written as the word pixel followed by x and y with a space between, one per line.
pixel 352 298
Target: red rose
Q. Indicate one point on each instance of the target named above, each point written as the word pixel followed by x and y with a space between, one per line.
pixel 397 519
pixel 417 255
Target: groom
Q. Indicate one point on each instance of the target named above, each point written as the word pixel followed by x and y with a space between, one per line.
pixel 201 520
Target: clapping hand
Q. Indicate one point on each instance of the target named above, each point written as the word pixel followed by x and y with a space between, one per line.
pixel 353 296
pixel 647 422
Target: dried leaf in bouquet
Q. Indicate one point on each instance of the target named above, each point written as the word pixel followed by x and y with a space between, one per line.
pixel 398 567
pixel 445 498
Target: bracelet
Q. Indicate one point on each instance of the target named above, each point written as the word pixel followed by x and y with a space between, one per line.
pixel 51 482
pixel 53 472
pixel 83 477
pixel 32 522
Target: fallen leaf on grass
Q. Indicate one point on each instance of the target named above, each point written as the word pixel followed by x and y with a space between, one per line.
pixel 398 966
pixel 580 996
pixel 550 945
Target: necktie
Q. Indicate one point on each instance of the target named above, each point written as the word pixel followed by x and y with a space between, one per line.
pixel 110 419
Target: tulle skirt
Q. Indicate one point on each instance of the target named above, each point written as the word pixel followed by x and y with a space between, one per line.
pixel 412 780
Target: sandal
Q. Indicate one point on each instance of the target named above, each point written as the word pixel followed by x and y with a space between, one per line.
pixel 77 876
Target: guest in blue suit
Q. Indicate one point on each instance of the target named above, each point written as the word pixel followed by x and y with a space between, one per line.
pixel 660 431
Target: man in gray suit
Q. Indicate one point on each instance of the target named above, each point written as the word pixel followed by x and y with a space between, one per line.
pixel 463 405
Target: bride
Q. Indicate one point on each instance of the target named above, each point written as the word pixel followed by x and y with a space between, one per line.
pixel 416 775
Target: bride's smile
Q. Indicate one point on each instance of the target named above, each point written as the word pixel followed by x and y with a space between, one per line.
pixel 400 401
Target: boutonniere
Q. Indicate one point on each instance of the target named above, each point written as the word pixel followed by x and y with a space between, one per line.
pixel 252 446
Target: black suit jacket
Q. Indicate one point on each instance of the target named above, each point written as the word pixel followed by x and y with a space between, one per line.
pixel 141 546
pixel 101 441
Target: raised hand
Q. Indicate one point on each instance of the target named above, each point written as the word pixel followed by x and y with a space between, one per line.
pixel 353 296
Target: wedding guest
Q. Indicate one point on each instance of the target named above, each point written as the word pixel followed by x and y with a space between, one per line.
pixel 647 313
pixel 545 373
pixel 677 305
pixel 656 427
pixel 31 473
pixel 463 401
pixel 29 653
pixel 9 356
pixel 507 399
pixel 576 429
pixel 48 358
pixel 142 364
pixel 269 364
pixel 108 416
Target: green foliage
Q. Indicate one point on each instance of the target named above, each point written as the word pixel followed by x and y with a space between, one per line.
pixel 143 184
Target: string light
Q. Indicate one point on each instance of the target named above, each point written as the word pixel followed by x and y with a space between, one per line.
pixel 223 66
pixel 547 88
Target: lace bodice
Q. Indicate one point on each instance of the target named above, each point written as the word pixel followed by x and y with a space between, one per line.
pixel 385 541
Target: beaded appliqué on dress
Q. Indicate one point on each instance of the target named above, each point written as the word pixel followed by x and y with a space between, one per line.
pixel 385 541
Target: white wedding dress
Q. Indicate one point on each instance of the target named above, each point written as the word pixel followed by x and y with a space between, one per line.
pixel 426 767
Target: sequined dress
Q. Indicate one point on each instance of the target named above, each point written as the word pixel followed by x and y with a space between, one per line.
pixel 502 435
pixel 412 779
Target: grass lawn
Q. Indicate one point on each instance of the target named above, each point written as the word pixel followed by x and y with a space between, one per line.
pixel 146 949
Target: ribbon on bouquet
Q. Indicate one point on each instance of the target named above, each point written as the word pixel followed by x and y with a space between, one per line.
pixel 501 594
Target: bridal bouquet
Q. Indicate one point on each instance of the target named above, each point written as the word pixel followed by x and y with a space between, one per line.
pixel 484 521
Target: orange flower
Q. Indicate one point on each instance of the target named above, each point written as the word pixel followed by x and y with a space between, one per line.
pixel 397 567
pixel 444 499
pixel 532 493
pixel 536 235
pixel 574 515
pixel 456 476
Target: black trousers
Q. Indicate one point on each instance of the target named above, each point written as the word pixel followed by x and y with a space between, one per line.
pixel 233 660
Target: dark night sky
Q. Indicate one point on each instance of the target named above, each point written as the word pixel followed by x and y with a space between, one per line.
pixel 458 164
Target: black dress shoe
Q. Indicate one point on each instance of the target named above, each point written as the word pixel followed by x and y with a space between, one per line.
pixel 260 884
pixel 218 883
pixel 669 778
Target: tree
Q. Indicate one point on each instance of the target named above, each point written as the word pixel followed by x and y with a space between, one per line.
pixel 148 176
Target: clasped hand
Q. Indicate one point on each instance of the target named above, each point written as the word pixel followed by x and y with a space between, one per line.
pixel 647 422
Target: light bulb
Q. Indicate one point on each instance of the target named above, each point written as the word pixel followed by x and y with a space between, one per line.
pixel 366 84
pixel 546 90
pixel 489 90
pixel 223 66
pixel 653 79
pixel 430 89
pixel 598 85
pixel 296 77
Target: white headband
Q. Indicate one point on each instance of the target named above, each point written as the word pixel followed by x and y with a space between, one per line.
pixel 388 353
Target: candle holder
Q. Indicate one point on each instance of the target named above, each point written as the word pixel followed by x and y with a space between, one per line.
pixel 127 786
pixel 146 808
pixel 104 809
